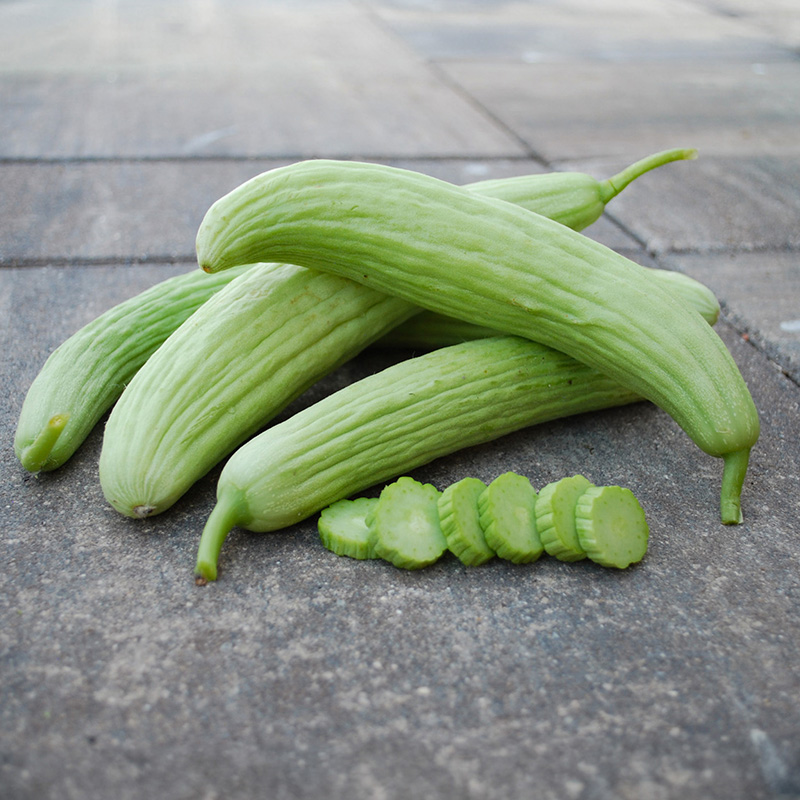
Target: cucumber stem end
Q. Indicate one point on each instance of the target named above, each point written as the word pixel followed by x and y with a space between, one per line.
pixel 612 186
pixel 733 474
pixel 225 515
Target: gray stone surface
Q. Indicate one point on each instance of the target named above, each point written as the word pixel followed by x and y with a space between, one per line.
pixel 300 675
pixel 96 211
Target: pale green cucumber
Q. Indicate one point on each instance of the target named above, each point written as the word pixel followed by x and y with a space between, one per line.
pixel 461 522
pixel 507 511
pixel 555 517
pixel 611 525
pixel 389 423
pixel 83 376
pixel 489 262
pixel 222 375
pixel 429 329
pixel 404 524
pixel 343 527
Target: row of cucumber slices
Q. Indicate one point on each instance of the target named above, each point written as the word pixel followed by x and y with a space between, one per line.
pixel 412 524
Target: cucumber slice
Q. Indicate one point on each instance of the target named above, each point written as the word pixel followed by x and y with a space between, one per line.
pixel 555 517
pixel 611 526
pixel 508 518
pixel 461 523
pixel 404 525
pixel 343 527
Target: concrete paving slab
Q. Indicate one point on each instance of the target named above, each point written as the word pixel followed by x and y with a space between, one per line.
pixel 150 210
pixel 579 110
pixel 578 31
pixel 749 202
pixel 268 80
pixel 300 674
pixel 780 19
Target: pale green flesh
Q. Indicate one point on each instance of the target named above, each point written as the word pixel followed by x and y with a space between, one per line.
pixel 555 517
pixel 508 518
pixel 493 264
pixel 611 526
pixel 461 524
pixel 404 525
pixel 343 527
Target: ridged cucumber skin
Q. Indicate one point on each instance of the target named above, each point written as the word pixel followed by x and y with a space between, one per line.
pixel 84 375
pixel 507 510
pixel 593 523
pixel 403 417
pixel 460 521
pixel 220 377
pixel 492 263
pixel 429 329
pixel 80 383
pixel 555 517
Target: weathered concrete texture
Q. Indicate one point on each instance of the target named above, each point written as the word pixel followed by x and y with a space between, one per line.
pixel 95 211
pixel 264 81
pixel 580 31
pixel 301 675
pixel 720 108
pixel 746 203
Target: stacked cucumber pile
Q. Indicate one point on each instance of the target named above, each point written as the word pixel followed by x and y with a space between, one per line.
pixel 524 319
pixel 412 524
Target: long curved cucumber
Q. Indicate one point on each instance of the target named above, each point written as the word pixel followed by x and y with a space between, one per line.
pixel 236 363
pixel 493 263
pixel 222 375
pixel 85 375
pixel 392 422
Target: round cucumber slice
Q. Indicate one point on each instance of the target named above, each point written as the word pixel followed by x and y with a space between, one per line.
pixel 555 517
pixel 611 526
pixel 461 523
pixel 343 528
pixel 508 518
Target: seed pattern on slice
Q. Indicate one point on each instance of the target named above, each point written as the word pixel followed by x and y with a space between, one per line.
pixel 404 525
pixel 611 526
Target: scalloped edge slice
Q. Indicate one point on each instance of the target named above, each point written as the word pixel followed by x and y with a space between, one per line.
pixel 343 527
pixel 611 526
pixel 404 524
pixel 555 517
pixel 507 510
pixel 461 522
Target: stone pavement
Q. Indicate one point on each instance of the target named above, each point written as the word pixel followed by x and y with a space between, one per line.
pixel 300 675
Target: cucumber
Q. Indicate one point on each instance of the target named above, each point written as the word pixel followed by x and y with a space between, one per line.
pixel 343 527
pixel 490 262
pixel 611 525
pixel 507 509
pixel 404 524
pixel 461 522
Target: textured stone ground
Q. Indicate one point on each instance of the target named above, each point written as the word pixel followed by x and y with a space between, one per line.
pixel 300 675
